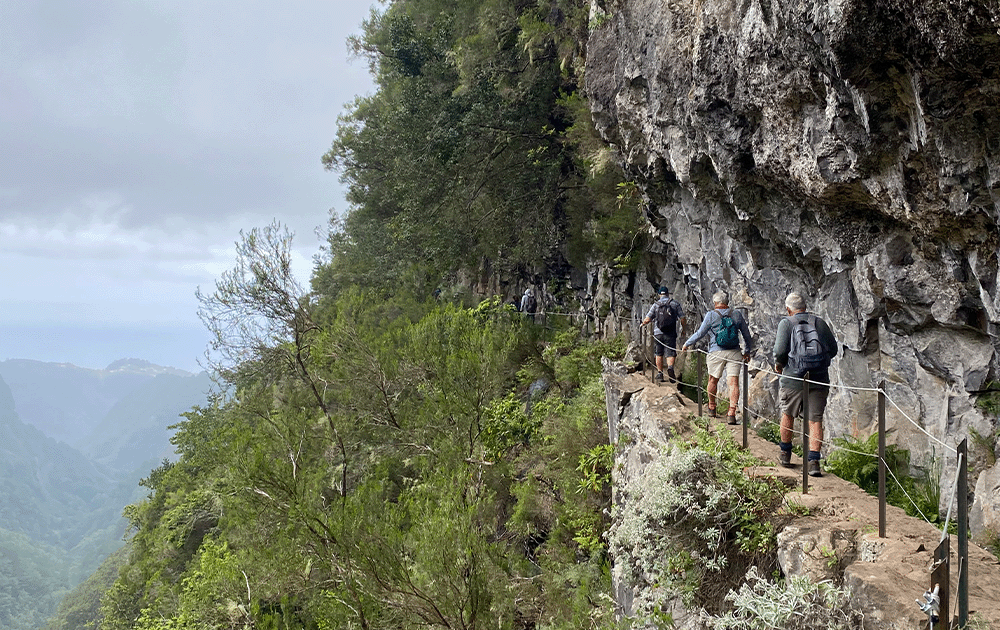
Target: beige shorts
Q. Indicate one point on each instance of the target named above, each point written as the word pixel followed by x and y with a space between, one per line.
pixel 730 360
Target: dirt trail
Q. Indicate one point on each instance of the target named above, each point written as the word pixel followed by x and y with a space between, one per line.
pixel 886 574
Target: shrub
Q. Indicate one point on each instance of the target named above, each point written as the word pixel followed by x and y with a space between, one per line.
pixel 856 460
pixel 690 522
pixel 798 604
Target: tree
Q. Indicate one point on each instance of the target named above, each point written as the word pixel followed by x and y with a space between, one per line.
pixel 259 315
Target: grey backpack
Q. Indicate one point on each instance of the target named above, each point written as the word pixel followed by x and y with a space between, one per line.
pixel 806 351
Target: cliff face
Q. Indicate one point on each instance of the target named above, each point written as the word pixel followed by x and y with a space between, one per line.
pixel 846 149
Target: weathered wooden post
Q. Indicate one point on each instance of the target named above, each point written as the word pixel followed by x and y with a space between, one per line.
pixel 881 460
pixel 805 433
pixel 701 370
pixel 746 397
pixel 963 534
pixel 645 352
pixel 941 581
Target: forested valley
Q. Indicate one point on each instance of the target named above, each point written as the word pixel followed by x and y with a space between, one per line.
pixel 388 448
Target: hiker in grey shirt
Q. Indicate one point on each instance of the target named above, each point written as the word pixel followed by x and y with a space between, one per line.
pixel 726 358
pixel 807 335
pixel 665 314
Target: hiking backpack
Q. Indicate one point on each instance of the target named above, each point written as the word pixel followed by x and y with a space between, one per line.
pixel 666 319
pixel 531 305
pixel 806 351
pixel 728 335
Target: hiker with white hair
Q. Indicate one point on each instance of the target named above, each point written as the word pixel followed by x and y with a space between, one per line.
pixel 726 326
pixel 803 344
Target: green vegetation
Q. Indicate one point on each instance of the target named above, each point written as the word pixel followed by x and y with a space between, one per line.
pixel 476 147
pixel 373 463
pixel 989 398
pixel 795 604
pixel 856 460
pixel 377 458
pixel 693 524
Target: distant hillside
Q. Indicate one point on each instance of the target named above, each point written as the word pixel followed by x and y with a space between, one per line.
pixel 67 402
pixel 134 432
pixel 70 464
pixel 47 489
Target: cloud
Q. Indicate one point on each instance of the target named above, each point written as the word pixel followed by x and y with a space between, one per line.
pixel 188 109
pixel 140 138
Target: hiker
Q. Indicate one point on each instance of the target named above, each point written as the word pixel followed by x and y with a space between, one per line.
pixel 528 303
pixel 803 343
pixel 665 314
pixel 726 325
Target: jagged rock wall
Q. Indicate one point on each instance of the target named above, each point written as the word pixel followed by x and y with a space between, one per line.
pixel 846 149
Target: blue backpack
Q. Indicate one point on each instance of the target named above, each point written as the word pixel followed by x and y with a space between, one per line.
pixel 728 335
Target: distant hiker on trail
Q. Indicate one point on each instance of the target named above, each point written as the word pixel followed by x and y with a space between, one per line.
pixel 726 325
pixel 665 314
pixel 529 305
pixel 803 343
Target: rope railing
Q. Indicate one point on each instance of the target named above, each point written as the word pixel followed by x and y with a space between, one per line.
pixel 959 483
pixel 830 445
pixel 765 370
pixel 762 369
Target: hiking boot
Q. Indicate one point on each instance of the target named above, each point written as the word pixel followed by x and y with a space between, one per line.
pixel 731 419
pixel 785 458
pixel 671 375
pixel 814 470
pixel 711 413
pixel 659 377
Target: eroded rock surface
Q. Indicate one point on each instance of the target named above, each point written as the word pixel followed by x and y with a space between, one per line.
pixel 845 149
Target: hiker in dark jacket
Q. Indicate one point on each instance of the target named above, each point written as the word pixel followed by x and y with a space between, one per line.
pixel 726 357
pixel 662 311
pixel 792 338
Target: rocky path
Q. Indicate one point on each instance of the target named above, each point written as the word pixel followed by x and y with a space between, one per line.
pixel 834 534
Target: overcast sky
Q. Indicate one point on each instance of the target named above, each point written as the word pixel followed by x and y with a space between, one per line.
pixel 137 139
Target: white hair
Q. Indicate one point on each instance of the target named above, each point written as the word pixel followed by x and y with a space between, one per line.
pixel 795 302
pixel 720 297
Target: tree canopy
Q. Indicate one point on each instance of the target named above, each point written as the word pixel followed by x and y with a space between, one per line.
pixel 475 146
pixel 390 478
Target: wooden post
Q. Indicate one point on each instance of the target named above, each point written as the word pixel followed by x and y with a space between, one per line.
pixel 746 394
pixel 645 353
pixel 805 433
pixel 963 534
pixel 881 460
pixel 941 577
pixel 701 371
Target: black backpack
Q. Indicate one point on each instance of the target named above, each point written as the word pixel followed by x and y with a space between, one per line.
pixel 728 335
pixel 531 305
pixel 666 318
pixel 806 351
